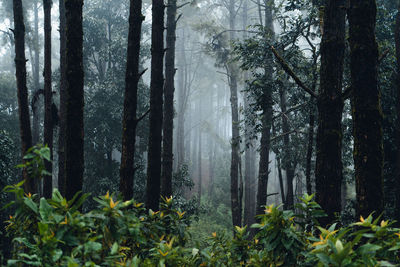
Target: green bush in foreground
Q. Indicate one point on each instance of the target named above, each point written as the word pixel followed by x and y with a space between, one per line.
pixel 55 232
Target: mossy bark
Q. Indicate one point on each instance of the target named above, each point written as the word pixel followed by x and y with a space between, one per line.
pixel 74 131
pixel 397 43
pixel 367 113
pixel 169 89
pixel 129 122
pixel 48 98
pixel 22 90
pixel 328 171
pixel 156 106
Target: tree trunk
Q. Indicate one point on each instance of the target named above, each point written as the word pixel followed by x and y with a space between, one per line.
pixel 35 74
pixel 48 98
pixel 328 170
pixel 22 90
pixel 169 88
pixel 367 113
pixel 397 42
pixel 74 131
pixel 130 121
pixel 63 100
pixel 266 120
pixel 180 140
pixel 200 180
pixel 156 106
pixel 233 71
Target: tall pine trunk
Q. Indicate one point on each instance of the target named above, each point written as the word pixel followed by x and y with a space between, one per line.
pixel 169 88
pixel 156 106
pixel 367 113
pixel 74 131
pixel 63 100
pixel 266 120
pixel 129 123
pixel 48 122
pixel 22 90
pixel 328 171
pixel 397 75
pixel 35 74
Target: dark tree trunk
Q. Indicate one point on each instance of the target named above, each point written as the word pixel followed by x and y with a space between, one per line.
pixel 35 74
pixel 328 171
pixel 130 121
pixel 367 113
pixel 200 175
pixel 169 88
pixel 48 99
pixel 266 120
pixel 232 70
pixel 397 42
pixel 156 106
pixel 288 163
pixel 74 134
pixel 63 100
pixel 280 177
pixel 22 90
pixel 310 145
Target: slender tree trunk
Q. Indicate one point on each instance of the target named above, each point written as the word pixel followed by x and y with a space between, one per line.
pixel 328 171
pixel 35 74
pixel 130 121
pixel 182 89
pixel 311 116
pixel 169 88
pixel 200 180
pixel 288 163
pixel 211 163
pixel 63 100
pixel 232 70
pixel 280 177
pixel 266 120
pixel 397 42
pixel 74 134
pixel 22 90
pixel 367 113
pixel 156 106
pixel 48 98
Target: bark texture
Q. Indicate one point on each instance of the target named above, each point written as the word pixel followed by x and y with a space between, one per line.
pixel 156 106
pixel 233 73
pixel 130 121
pixel 328 170
pixel 63 100
pixel 397 42
pixel 169 89
pixel 48 122
pixel 367 113
pixel 74 134
pixel 266 121
pixel 22 90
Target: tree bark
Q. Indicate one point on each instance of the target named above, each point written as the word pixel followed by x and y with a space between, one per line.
pixel 156 106
pixel 367 113
pixel 169 89
pixel 48 98
pixel 35 74
pixel 328 171
pixel 74 131
pixel 130 121
pixel 182 89
pixel 397 75
pixel 22 90
pixel 232 70
pixel 266 120
pixel 63 100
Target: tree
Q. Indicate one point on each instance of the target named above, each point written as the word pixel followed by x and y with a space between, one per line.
pixel 74 133
pixel 48 96
pixel 156 106
pixel 169 88
pixel 130 120
pixel 367 113
pixel 397 75
pixel 20 65
pixel 63 99
pixel 328 170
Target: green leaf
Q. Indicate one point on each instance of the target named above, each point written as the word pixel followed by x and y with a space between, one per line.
pixel 32 205
pixel 45 209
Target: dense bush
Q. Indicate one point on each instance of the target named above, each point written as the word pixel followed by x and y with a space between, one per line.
pixel 55 232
